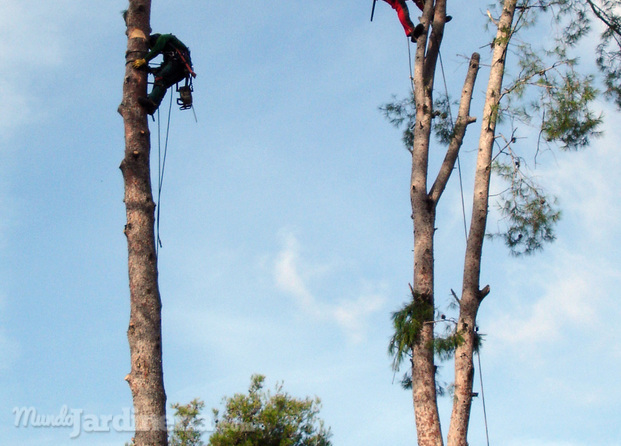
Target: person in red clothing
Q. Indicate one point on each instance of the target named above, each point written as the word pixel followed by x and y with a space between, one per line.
pixel 413 32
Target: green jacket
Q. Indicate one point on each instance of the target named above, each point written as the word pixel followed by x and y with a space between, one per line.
pixel 166 42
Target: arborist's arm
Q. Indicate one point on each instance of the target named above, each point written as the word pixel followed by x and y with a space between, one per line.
pixel 159 46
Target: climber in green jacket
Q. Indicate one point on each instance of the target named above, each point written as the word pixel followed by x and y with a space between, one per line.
pixel 176 66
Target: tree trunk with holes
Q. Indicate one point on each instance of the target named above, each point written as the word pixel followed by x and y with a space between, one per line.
pixel 144 333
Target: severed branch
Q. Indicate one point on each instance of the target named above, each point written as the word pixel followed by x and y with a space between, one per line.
pixel 463 120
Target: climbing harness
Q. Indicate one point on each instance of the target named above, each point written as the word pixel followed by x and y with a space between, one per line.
pixel 183 59
pixel 185 92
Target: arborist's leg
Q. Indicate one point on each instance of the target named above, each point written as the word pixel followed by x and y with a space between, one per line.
pixel 158 92
pixel 404 15
pixel 165 77
pixel 414 32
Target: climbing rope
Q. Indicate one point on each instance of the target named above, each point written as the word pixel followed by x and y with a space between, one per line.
pixel 161 165
pixel 407 40
pixel 461 183
pixel 483 398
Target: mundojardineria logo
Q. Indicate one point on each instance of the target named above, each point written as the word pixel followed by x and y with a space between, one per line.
pixel 81 422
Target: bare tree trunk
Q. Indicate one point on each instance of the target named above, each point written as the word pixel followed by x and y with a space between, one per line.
pixel 144 333
pixel 424 208
pixel 424 214
pixel 472 295
pixel 423 367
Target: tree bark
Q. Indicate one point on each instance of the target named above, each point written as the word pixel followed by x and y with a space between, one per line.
pixel 424 215
pixel 472 295
pixel 144 333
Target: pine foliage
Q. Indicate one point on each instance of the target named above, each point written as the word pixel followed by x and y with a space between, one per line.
pixel 263 418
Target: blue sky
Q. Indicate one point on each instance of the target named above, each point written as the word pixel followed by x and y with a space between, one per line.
pixel 285 228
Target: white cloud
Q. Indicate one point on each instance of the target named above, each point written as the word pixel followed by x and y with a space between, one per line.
pixel 34 42
pixel 580 282
pixel 575 291
pixel 292 277
pixel 352 314
pixel 289 279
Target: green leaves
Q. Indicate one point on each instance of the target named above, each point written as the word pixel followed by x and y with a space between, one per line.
pixel 188 427
pixel 578 15
pixel 407 323
pixel 528 213
pixel 442 124
pixel 568 119
pixel 444 347
pixel 402 114
pixel 609 50
pixel 260 418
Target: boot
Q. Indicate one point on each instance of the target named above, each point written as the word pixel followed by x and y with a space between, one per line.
pixel 149 106
pixel 418 31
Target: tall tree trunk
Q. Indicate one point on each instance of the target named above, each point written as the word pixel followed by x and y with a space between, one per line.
pixel 144 333
pixel 423 367
pixel 424 205
pixel 472 295
pixel 424 395
pixel 424 214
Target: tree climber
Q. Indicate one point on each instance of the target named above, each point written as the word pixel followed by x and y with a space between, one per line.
pixel 413 32
pixel 175 67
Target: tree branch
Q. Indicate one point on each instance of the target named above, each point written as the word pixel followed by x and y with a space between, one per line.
pixel 603 16
pixel 463 119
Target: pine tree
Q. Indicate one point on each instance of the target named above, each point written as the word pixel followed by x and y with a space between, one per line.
pixel 262 418
pixel 144 333
pixel 562 112
pixel 188 429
